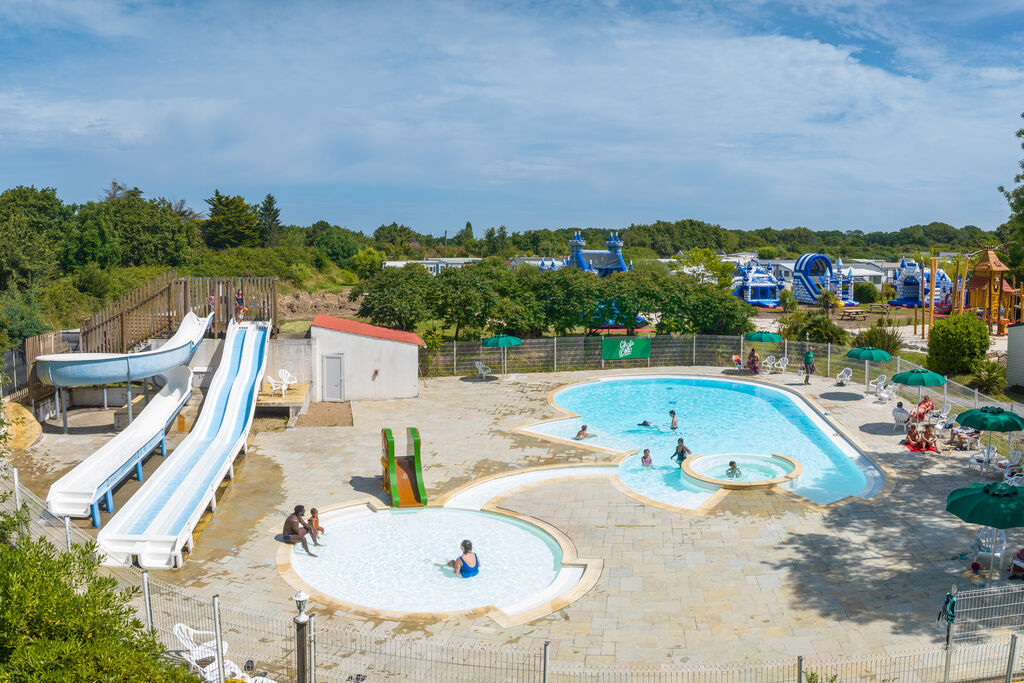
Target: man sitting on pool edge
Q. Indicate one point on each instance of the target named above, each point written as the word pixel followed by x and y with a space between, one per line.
pixel 295 529
pixel 460 565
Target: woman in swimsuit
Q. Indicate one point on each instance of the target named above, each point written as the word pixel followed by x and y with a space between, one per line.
pixel 681 452
pixel 467 564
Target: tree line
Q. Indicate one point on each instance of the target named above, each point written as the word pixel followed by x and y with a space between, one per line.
pixel 489 298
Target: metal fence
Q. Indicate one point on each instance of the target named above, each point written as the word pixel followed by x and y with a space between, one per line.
pixel 984 612
pixel 551 354
pixel 347 655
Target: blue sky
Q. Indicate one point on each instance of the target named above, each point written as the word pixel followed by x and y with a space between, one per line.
pixel 748 113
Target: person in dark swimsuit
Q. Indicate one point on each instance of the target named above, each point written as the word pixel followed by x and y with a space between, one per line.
pixel 681 452
pixel 239 306
pixel 295 529
pixel 468 564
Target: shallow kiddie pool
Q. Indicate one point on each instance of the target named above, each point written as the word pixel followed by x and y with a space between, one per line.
pixel 395 560
pixel 751 470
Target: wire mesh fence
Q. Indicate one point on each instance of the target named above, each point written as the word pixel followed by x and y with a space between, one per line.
pixel 983 612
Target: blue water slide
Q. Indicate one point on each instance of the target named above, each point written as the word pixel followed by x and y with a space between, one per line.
pixel 155 525
pixel 88 369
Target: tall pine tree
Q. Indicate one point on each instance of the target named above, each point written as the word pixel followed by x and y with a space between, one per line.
pixel 232 223
pixel 270 222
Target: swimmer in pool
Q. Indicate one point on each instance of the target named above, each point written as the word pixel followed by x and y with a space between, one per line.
pixel 467 564
pixel 645 423
pixel 681 452
pixel 583 434
pixel 675 420
pixel 733 470
pixel 645 459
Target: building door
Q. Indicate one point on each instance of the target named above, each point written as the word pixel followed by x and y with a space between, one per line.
pixel 334 374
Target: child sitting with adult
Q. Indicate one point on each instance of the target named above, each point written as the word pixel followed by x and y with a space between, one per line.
pixel 754 362
pixel 915 439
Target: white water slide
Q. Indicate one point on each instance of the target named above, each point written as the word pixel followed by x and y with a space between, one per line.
pixel 157 522
pixel 79 492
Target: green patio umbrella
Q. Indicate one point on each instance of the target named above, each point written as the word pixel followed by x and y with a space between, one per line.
pixel 868 354
pixel 502 341
pixel 996 505
pixel 919 377
pixel 991 419
pixel 764 337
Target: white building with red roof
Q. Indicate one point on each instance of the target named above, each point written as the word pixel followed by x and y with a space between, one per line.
pixel 355 361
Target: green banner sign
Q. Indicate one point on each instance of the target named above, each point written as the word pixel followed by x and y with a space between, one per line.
pixel 620 348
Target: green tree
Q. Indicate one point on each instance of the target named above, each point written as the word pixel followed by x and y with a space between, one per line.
pixel 21 315
pixel 269 216
pixel 464 298
pixel 232 222
pixel 705 267
pixel 957 344
pixel 27 258
pixel 129 230
pixel 464 238
pixel 1015 224
pixel 989 377
pixel 367 261
pixel 337 244
pixel 865 292
pixel 828 301
pixel 396 297
pixel 625 296
pixel 787 301
pixel 569 299
pixel 702 309
pixel 815 327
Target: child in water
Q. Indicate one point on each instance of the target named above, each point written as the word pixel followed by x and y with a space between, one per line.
pixel 645 459
pixel 733 470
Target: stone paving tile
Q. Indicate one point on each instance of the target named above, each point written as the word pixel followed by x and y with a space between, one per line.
pixel 763 575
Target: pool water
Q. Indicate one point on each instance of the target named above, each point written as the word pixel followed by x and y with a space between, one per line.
pixel 388 560
pixel 716 417
pixel 751 467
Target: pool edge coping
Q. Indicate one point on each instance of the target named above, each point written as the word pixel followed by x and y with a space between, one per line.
pixel 592 569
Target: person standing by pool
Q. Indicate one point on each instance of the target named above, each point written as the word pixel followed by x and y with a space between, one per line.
pixel 681 452
pixel 467 564
pixel 645 459
pixel 808 364
pixel 239 306
pixel 675 420
pixel 295 529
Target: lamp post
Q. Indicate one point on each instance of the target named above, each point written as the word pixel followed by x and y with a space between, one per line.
pixel 301 635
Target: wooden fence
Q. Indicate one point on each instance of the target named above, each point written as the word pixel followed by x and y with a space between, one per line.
pixel 157 307
pixel 23 366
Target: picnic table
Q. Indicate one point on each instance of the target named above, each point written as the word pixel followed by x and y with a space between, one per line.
pixel 852 314
pixel 879 308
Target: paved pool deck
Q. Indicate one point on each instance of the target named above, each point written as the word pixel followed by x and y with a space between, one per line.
pixel 763 575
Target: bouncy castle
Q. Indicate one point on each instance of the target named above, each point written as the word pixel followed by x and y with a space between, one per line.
pixel 757 284
pixel 603 263
pixel 907 283
pixel 813 275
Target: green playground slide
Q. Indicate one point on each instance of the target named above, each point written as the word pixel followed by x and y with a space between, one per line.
pixel 403 476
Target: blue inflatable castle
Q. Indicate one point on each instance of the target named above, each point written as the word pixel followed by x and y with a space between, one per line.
pixel 813 274
pixel 757 284
pixel 603 263
pixel 907 283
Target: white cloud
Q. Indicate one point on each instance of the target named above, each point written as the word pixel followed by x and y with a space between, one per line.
pixel 591 116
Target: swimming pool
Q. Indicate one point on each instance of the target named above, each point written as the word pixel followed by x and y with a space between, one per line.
pixel 751 470
pixel 716 416
pixel 395 560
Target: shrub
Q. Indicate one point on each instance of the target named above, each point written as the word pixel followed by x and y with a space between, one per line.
pixel 882 336
pixel 989 378
pixel 21 316
pixel 957 345
pixel 828 302
pixel 787 301
pixel 865 293
pixel 64 306
pixel 815 327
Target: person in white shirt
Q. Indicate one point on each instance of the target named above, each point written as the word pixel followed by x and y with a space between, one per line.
pixel 899 413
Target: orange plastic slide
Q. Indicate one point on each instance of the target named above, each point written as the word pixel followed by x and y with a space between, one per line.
pixel 405 482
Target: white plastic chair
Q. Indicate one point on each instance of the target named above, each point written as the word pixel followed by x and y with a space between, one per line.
pixel 780 364
pixel 886 393
pixel 275 385
pixel 844 377
pixel 900 421
pixel 989 547
pixel 287 380
pixel 983 458
pixel 482 370
pixel 876 384
pixel 768 365
pixel 941 415
pixel 946 424
pixel 1011 464
pixel 197 654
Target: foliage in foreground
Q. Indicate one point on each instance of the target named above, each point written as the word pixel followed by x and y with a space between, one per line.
pixel 957 344
pixel 61 621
